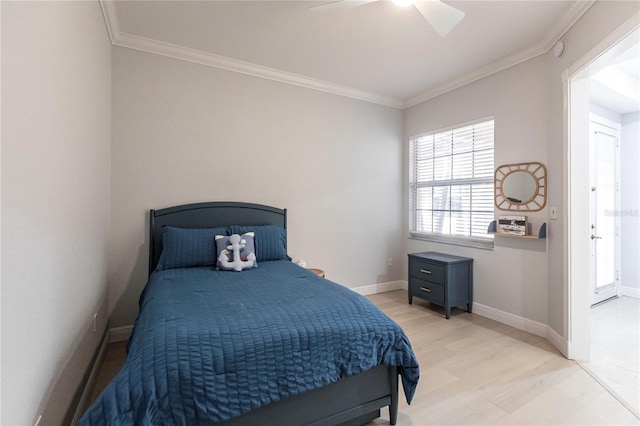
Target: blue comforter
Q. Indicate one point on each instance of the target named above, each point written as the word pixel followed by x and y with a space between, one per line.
pixel 211 345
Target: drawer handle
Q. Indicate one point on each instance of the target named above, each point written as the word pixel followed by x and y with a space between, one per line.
pixel 425 271
pixel 428 290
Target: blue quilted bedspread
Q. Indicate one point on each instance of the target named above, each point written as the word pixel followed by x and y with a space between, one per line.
pixel 210 345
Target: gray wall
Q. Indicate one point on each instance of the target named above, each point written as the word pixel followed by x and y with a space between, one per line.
pixel 186 133
pixel 512 276
pixel 523 278
pixel 602 19
pixel 56 135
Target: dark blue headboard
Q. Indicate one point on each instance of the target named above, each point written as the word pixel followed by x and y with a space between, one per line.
pixel 208 215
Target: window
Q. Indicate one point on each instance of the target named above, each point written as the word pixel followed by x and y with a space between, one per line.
pixel 451 184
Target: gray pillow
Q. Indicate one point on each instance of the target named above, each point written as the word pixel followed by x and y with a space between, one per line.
pixel 271 241
pixel 188 247
pixel 228 246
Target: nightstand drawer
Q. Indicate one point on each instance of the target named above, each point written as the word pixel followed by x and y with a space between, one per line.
pixel 428 290
pixel 426 271
pixel 442 279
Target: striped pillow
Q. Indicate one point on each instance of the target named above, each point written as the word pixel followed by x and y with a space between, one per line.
pixel 270 241
pixel 186 247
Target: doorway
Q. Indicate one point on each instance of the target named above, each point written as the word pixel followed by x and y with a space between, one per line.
pixel 603 94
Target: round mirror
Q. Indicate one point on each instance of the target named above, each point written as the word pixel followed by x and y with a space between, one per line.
pixel 519 186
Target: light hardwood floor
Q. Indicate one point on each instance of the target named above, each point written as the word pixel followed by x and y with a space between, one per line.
pixel 476 371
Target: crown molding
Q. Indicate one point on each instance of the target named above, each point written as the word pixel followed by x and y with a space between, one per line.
pixel 110 19
pixel 216 61
pixel 565 23
pixel 478 74
pixel 131 41
pixel 559 29
pixel 623 31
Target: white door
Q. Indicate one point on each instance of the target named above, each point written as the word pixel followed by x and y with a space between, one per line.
pixel 604 236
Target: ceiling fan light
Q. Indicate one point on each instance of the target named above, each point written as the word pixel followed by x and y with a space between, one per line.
pixel 440 15
pixel 403 3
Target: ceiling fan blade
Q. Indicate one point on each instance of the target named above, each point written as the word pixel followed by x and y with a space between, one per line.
pixel 440 15
pixel 338 5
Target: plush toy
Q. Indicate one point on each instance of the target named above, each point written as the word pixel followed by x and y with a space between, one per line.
pixel 232 257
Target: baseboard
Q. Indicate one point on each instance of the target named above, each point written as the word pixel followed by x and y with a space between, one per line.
pixel 512 320
pixel 63 397
pixel 630 291
pixel 558 341
pixel 93 376
pixel 367 290
pixel 515 321
pixel 120 334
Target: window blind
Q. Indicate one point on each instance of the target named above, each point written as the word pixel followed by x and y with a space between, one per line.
pixel 451 184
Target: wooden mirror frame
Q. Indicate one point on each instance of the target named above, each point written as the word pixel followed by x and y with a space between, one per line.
pixel 538 200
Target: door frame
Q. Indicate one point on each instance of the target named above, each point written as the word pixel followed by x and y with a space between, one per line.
pixel 575 236
pixel 600 124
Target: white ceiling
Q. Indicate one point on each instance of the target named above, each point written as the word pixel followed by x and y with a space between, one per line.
pixel 377 51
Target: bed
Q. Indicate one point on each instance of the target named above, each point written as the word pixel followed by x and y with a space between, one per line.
pixel 274 344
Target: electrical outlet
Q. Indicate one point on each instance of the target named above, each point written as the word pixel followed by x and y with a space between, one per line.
pixel 390 261
pixel 553 213
pixel 95 322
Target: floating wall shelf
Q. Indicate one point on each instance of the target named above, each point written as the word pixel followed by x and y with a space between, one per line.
pixel 493 228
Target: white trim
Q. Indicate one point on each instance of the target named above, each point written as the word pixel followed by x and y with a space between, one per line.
pixel 578 242
pixel 144 44
pixel 614 38
pixel 216 61
pixel 560 28
pixel 110 19
pixel 478 74
pixel 120 334
pixel 565 23
pixel 630 292
pixel 575 311
pixel 512 320
pixel 566 166
pixel 524 324
pixel 367 290
pixel 93 377
pixel 515 321
pixel 558 341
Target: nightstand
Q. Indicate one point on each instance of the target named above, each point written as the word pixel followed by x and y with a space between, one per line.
pixel 317 271
pixel 442 279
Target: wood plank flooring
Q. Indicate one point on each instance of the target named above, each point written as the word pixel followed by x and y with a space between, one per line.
pixel 475 371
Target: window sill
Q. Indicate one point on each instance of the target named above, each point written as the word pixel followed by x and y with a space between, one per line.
pixel 481 243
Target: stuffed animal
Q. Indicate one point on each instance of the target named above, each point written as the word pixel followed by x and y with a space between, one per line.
pixel 232 257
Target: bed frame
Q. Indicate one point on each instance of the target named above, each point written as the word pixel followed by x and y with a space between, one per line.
pixel 354 400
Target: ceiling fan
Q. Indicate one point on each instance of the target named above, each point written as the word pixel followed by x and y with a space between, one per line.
pixel 440 15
